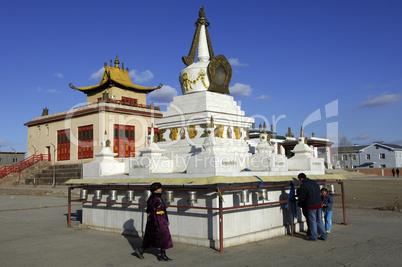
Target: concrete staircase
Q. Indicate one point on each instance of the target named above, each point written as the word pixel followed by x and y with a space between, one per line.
pixel 63 173
pixel 348 174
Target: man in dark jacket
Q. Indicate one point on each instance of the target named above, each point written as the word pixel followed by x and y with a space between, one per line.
pixel 310 197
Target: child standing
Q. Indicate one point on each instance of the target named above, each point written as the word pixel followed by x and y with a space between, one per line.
pixel 327 202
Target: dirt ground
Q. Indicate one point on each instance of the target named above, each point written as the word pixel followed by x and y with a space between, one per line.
pixel 372 194
pixel 359 194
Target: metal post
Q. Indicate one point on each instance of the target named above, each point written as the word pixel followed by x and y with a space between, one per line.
pixel 34 160
pixel 69 208
pixel 291 213
pixel 220 225
pixel 82 164
pixel 54 165
pixel 343 205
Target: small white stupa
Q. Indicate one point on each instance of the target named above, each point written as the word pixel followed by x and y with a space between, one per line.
pixel 303 160
pixel 105 164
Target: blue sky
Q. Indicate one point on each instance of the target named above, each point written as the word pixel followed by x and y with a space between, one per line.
pixel 333 66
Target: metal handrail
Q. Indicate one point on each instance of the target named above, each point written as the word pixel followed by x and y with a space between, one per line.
pixel 22 165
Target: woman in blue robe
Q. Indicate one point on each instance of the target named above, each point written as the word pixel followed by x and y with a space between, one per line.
pixel 157 234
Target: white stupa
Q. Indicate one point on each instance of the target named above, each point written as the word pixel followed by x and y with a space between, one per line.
pixel 204 132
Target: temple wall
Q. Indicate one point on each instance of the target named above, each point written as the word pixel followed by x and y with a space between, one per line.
pixel 44 134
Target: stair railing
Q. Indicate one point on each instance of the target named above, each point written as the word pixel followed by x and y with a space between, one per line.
pixel 22 165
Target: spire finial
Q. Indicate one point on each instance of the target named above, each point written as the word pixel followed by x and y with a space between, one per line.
pixel 201 21
pixel 301 132
pixel 212 122
pixel 116 62
pixel 265 128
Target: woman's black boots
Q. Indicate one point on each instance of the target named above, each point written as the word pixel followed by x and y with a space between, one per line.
pixel 140 252
pixel 163 256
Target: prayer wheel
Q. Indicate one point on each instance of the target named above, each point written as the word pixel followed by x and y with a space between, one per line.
pixel 191 197
pixel 98 194
pixel 244 197
pixel 113 195
pixel 130 195
pixel 263 194
pixel 332 189
pixel 169 196
pixel 83 194
pixel 147 194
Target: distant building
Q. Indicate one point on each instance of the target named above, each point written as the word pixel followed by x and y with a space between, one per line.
pixel 116 110
pixel 10 158
pixel 376 155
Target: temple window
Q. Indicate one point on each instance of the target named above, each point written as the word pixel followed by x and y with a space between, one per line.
pixel 128 101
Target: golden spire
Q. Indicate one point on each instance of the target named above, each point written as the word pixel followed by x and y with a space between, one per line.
pixel 200 21
pixel 116 62
pixel 301 132
pixel 265 128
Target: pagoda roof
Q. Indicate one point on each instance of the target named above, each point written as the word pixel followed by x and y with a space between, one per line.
pixel 116 76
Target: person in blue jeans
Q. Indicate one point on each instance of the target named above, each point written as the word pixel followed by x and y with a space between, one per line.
pixel 327 202
pixel 310 197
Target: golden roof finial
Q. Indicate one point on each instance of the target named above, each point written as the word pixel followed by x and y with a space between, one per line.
pixel 272 127
pixel 301 132
pixel 212 122
pixel 116 62
pixel 289 133
pixel 260 128
pixel 265 128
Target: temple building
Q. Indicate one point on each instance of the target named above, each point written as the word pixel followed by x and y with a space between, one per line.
pixel 115 108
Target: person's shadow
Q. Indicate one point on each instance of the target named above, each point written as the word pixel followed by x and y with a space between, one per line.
pixel 286 212
pixel 132 237
pixel 77 216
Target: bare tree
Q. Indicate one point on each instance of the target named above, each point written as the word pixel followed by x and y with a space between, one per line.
pixel 346 151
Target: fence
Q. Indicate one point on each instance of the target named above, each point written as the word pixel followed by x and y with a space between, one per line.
pixel 22 165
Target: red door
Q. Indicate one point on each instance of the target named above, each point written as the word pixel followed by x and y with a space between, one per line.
pixel 63 145
pixel 85 142
pixel 124 141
